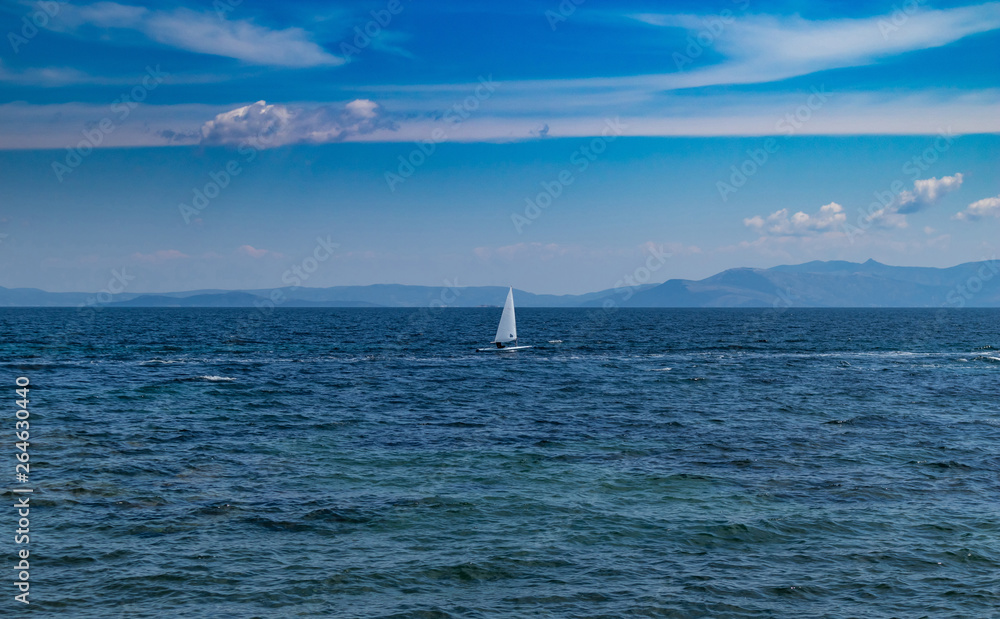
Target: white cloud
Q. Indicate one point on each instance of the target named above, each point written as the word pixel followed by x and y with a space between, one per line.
pixel 987 207
pixel 362 108
pixel 273 125
pixel 927 192
pixel 204 33
pixel 830 222
pixel 828 219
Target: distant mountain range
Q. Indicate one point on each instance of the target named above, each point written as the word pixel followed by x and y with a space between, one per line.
pixel 813 284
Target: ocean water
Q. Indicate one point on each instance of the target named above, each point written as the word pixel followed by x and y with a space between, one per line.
pixel 369 463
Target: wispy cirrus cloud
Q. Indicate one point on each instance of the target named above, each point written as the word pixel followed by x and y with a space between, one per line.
pixel 754 48
pixel 56 76
pixel 48 76
pixel 766 48
pixel 203 33
pixel 273 125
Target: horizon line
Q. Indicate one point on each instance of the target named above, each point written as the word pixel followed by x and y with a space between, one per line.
pixel 448 286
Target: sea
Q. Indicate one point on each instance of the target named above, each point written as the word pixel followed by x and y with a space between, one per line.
pixel 633 463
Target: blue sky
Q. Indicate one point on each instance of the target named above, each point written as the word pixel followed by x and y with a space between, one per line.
pixel 551 146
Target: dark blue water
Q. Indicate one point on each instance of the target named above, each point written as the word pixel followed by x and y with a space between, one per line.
pixel 369 463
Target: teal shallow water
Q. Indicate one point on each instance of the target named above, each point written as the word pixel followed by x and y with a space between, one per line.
pixel 368 463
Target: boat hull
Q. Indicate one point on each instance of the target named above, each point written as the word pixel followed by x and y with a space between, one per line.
pixel 504 349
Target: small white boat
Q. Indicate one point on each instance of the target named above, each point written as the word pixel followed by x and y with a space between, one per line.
pixel 507 330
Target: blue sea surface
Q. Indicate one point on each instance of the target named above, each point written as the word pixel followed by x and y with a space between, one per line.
pixel 370 463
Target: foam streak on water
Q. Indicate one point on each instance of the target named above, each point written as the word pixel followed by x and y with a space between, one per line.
pixel 368 463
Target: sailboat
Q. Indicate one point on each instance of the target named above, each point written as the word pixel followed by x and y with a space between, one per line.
pixel 507 329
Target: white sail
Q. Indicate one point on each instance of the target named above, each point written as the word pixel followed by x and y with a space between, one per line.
pixel 507 331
